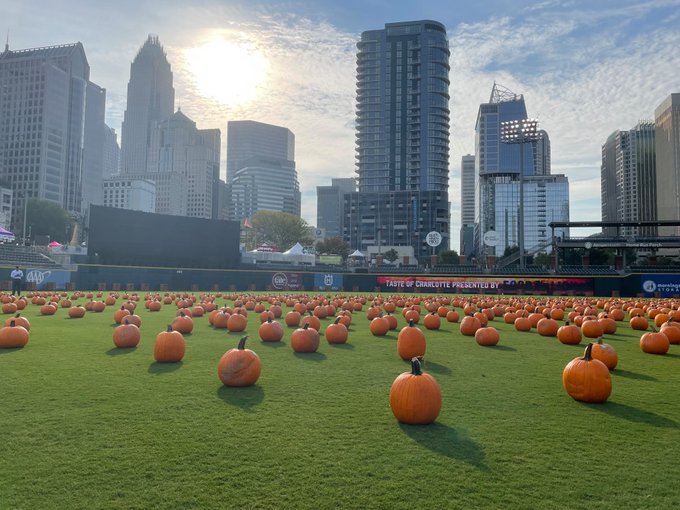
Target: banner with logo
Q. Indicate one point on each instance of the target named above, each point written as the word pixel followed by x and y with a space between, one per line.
pixel 287 281
pixel 327 281
pixel 664 285
pixel 484 285
pixel 41 277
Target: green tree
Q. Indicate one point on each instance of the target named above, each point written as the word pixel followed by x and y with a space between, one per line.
pixel 449 257
pixel 48 219
pixel 281 229
pixel 333 246
pixel 542 259
pixel 391 255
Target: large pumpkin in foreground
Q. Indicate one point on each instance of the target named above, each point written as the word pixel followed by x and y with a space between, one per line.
pixel 587 379
pixel 170 346
pixel 240 366
pixel 13 336
pixel 415 397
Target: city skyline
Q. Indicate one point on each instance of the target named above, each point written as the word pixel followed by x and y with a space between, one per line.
pixel 566 58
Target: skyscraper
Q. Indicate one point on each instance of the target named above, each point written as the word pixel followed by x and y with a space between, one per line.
pixel 261 170
pixel 402 138
pixel 467 205
pixel 497 178
pixel 150 100
pixel 668 162
pixel 50 114
pixel 628 178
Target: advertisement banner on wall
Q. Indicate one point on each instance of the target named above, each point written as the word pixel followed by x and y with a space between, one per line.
pixel 287 281
pixel 664 285
pixel 43 277
pixel 327 281
pixel 484 285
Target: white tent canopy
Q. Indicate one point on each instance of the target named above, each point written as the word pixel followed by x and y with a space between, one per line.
pixel 296 249
pixel 357 253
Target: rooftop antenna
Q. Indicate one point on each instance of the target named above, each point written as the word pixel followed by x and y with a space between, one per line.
pixel 7 42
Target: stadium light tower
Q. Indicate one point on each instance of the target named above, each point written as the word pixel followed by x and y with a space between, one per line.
pixel 520 132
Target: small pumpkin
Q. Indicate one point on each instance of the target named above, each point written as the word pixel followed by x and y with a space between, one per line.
pixel 170 346
pixel 336 333
pixel 415 397
pixel 469 325
pixel 23 322
pixel 654 342
pixel 183 323
pixel 432 321
pixel 569 334
pixel 305 339
pixel 547 327
pixel 270 331
pixel 13 336
pixel 411 342
pixel 587 379
pixel 605 353
pixel 379 326
pixel 126 335
pixel 240 366
pixel 487 336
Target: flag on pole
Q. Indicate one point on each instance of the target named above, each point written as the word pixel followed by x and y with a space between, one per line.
pixel 247 224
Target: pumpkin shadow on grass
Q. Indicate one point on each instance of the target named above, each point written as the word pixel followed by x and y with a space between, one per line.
pixel 500 347
pixel 632 375
pixel 164 368
pixel 447 441
pixel 431 366
pixel 310 356
pixel 10 350
pixel 245 398
pixel 117 351
pixel 349 347
pixel 672 355
pixel 275 345
pixel 634 415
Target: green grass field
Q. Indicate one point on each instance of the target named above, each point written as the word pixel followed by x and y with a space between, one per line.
pixel 86 425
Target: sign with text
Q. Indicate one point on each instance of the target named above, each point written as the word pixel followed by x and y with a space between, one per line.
pixel 664 285
pixel 484 285
pixel 287 281
pixel 41 277
pixel 327 281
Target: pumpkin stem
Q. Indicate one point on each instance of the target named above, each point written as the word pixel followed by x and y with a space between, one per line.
pixel 12 323
pixel 337 319
pixel 169 330
pixel 411 323
pixel 588 354
pixel 415 367
pixel 306 326
pixel 242 343
pixel 17 316
pixel 269 319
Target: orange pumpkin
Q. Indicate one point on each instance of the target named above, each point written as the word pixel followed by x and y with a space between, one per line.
pixel 569 334
pixel 23 322
pixel 487 336
pixel 184 324
pixel 270 331
pixel 654 343
pixel 239 367
pixel 547 327
pixel 639 323
pixel 672 331
pixel 379 326
pixel 126 335
pixel 13 336
pixel 452 316
pixel 592 328
pixel 469 325
pixel 336 333
pixel 237 322
pixel 522 324
pixel 305 339
pixel 587 379
pixel 432 321
pixel 411 342
pixel 415 397
pixel 605 353
pixel 170 346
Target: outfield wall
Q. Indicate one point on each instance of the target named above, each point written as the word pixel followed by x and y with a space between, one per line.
pixel 160 279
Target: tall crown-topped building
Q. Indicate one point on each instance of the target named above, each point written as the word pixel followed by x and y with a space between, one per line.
pixel 402 132
pixel 150 100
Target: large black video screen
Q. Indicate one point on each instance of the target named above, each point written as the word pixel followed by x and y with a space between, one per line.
pixel 133 238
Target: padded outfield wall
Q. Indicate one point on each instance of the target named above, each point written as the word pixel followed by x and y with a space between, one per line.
pixel 159 279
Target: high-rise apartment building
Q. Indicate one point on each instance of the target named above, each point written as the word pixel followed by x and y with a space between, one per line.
pixel 628 179
pixel 111 153
pixel 150 100
pixel 51 128
pixel 261 172
pixel 329 205
pixel 498 174
pixel 667 123
pixel 402 137
pixel 467 205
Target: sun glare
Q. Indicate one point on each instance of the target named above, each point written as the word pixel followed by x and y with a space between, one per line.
pixel 229 72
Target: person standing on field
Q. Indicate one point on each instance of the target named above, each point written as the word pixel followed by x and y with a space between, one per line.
pixel 16 275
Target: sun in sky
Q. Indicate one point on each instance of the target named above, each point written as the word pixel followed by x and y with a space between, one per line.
pixel 230 72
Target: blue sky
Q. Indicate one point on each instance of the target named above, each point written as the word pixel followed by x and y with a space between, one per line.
pixel 586 68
